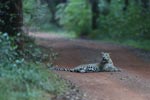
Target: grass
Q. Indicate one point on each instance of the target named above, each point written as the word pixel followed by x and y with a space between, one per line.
pixel 139 44
pixel 145 44
pixel 52 29
pixel 29 82
pixel 22 73
pixel 64 34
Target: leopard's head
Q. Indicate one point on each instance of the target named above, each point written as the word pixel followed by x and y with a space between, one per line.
pixel 105 57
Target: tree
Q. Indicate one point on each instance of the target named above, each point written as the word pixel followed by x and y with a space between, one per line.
pixel 107 8
pixel 52 6
pixel 11 16
pixel 126 4
pixel 95 13
pixel 145 5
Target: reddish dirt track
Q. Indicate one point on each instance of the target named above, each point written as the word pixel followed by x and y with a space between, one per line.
pixel 132 83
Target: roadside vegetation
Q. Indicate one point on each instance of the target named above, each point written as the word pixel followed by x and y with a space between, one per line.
pixel 22 73
pixel 121 21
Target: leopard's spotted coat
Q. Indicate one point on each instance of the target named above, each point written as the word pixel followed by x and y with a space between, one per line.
pixel 105 65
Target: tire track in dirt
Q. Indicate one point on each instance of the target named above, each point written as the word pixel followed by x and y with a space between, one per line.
pixel 132 83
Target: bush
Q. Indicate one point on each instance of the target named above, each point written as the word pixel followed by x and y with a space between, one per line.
pixel 131 24
pixel 21 79
pixel 7 51
pixel 75 16
pixel 36 15
pixel 26 81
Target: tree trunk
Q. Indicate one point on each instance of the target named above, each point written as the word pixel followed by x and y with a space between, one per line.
pixel 52 6
pixel 109 1
pixel 95 13
pixel 126 4
pixel 11 17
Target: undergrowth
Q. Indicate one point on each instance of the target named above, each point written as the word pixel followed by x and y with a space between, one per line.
pixel 22 75
pixel 135 43
pixel 131 27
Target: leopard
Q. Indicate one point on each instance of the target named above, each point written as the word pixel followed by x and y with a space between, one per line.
pixel 105 65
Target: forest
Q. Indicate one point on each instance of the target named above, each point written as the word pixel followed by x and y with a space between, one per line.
pixel 120 21
pixel 24 60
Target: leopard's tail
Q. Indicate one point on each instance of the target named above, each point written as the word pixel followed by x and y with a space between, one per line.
pixel 61 69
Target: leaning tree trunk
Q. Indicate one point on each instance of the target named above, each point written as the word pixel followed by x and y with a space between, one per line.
pixel 11 16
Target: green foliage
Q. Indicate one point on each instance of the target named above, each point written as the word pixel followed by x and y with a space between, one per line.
pixel 31 52
pixel 22 80
pixel 26 81
pixel 128 27
pixel 75 16
pixel 130 24
pixel 142 44
pixel 36 15
pixel 7 51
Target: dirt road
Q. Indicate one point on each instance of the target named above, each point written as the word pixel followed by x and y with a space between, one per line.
pixel 132 83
